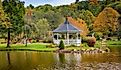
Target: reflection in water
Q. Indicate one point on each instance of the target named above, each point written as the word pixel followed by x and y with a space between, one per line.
pixel 42 60
pixel 62 57
pixel 9 62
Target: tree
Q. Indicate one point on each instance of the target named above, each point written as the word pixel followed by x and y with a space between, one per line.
pixel 1 12
pixel 54 19
pixel 80 24
pixel 88 17
pixel 116 6
pixel 15 11
pixel 4 24
pixel 31 6
pixel 119 28
pixel 61 45
pixel 95 9
pixel 43 28
pixel 77 1
pixel 106 22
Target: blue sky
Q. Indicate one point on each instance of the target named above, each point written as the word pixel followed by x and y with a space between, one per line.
pixel 52 2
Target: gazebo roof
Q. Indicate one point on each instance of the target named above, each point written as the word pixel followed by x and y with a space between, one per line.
pixel 67 27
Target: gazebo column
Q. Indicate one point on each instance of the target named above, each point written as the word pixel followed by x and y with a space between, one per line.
pixel 76 38
pixel 67 38
pixel 57 36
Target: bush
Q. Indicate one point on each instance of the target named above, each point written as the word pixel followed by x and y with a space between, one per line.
pixel 91 41
pixel 73 45
pixel 33 41
pixel 84 39
pixel 61 45
pixel 84 45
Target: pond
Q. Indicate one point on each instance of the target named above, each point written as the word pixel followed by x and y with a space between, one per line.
pixel 28 60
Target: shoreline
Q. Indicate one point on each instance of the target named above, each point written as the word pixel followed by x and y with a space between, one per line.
pixel 88 51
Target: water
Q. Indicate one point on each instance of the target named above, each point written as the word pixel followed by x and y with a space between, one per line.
pixel 25 60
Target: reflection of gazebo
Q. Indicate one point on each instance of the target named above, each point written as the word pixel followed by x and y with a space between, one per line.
pixel 68 33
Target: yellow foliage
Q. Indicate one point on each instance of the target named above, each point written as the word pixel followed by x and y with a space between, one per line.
pixel 106 20
pixel 3 19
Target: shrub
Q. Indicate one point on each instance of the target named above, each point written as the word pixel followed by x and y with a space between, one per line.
pixel 61 45
pixel 84 39
pixel 73 45
pixel 84 45
pixel 91 41
pixel 33 41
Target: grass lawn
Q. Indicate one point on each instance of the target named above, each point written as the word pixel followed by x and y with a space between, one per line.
pixel 32 47
pixel 42 46
pixel 109 43
pixel 35 47
pixel 114 43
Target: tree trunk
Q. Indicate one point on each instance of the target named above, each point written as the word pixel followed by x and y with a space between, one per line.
pixel 8 43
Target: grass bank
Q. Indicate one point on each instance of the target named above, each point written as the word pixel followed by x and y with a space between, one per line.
pixel 43 46
pixel 109 43
pixel 36 47
pixel 30 47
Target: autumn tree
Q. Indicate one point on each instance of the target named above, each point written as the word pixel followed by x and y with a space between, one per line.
pixel 106 22
pixel 80 24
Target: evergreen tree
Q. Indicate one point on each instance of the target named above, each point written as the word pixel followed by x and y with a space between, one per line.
pixel 61 45
pixel 15 11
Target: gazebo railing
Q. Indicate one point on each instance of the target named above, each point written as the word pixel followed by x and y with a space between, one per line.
pixel 76 42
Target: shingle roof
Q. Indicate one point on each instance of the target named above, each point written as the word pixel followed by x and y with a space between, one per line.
pixel 67 27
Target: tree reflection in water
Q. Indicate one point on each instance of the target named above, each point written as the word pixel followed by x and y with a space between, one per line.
pixel 9 60
pixel 62 57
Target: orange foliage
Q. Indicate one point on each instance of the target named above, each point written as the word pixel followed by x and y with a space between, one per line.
pixel 80 24
pixel 29 12
pixel 106 21
pixel 91 41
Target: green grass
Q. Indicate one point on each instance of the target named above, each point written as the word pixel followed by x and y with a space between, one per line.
pixel 113 42
pixel 42 46
pixel 32 47
pixel 109 43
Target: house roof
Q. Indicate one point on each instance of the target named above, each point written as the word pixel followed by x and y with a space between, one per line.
pixel 67 27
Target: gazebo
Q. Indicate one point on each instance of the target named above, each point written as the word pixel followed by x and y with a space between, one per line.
pixel 68 33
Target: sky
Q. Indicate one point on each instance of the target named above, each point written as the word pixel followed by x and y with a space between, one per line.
pixel 51 2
